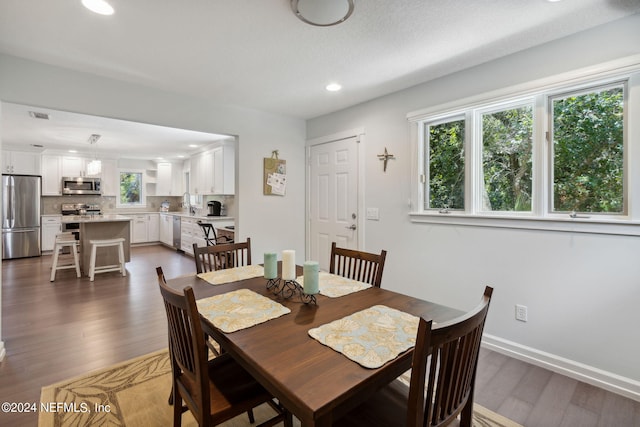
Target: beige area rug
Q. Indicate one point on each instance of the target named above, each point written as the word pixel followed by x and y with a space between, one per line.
pixel 134 393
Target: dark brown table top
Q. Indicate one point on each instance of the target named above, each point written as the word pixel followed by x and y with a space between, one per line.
pixel 314 382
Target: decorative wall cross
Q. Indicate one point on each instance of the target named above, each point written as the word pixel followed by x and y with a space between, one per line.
pixel 385 157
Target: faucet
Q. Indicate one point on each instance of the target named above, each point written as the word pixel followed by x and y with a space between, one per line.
pixel 187 204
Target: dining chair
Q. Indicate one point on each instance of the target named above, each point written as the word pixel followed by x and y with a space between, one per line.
pixel 214 390
pixel 221 256
pixel 357 265
pixel 443 372
pixel 210 234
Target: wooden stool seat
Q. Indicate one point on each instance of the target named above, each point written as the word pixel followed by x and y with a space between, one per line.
pixel 64 240
pixel 95 244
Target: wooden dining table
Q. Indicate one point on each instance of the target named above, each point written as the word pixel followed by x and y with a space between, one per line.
pixel 314 382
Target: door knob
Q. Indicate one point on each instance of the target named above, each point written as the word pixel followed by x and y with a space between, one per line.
pixel 351 227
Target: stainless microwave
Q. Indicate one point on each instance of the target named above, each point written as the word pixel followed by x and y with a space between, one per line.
pixel 81 185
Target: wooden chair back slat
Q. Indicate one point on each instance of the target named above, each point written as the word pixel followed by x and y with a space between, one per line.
pixel 357 265
pixel 222 256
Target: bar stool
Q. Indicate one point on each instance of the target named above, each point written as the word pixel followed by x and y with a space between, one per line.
pixel 95 244
pixel 64 240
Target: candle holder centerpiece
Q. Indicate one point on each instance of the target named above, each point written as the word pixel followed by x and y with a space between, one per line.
pixel 287 286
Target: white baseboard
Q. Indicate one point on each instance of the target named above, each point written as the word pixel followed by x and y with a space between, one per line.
pixel 576 370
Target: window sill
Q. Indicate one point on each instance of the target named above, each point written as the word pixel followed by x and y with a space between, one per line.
pixel 571 225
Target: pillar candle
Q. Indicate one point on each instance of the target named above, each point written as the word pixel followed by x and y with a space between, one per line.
pixel 289 265
pixel 311 282
pixel 270 265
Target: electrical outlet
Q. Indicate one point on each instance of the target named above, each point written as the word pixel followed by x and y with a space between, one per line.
pixel 521 312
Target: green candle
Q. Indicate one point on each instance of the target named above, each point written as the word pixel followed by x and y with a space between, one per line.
pixel 311 283
pixel 270 265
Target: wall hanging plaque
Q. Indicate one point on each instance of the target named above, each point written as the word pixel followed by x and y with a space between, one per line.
pixel 275 175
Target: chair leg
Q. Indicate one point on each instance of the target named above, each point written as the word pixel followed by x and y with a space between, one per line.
pixel 54 265
pixel 252 419
pixel 92 263
pixel 76 260
pixel 121 259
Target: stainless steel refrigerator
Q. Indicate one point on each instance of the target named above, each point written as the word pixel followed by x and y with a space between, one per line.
pixel 20 216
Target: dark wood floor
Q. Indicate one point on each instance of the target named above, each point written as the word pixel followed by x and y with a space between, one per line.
pixel 53 331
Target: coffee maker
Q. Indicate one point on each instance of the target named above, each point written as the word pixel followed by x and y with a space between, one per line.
pixel 214 208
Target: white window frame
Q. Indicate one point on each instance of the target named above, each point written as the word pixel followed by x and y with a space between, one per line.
pixel 540 217
pixel 143 189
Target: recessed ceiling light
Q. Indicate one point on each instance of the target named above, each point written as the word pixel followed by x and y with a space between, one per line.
pixel 73 151
pixel 193 145
pixel 98 6
pixel 333 87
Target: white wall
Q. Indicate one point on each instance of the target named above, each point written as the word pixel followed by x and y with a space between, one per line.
pixel 582 290
pixel 270 221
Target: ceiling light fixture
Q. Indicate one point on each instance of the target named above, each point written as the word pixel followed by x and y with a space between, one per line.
pixel 94 167
pixel 333 87
pixel 98 6
pixel 322 13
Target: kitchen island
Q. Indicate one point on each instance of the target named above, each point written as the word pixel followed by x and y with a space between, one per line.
pixel 98 227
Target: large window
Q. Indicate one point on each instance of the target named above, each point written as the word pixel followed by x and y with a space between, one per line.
pixel 560 155
pixel 131 187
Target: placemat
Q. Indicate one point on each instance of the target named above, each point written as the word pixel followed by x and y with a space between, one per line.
pixel 333 286
pixel 239 309
pixel 370 337
pixel 220 277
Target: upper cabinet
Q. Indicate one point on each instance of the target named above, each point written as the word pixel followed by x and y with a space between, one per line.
pixel 213 172
pixel 54 167
pixel 169 179
pixel 20 162
pixel 51 175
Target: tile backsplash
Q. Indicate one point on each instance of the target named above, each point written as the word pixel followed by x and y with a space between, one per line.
pixel 52 205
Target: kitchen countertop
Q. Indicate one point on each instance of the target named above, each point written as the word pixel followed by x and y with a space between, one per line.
pixel 95 218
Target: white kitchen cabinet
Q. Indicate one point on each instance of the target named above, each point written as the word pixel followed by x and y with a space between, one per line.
pixel 166 229
pixel 109 178
pixel 51 226
pixel 51 175
pixel 145 227
pixel 213 172
pixel 168 180
pixel 74 166
pixel 153 227
pixel 21 162
pixel 190 232
pixel 139 229
pixel 224 170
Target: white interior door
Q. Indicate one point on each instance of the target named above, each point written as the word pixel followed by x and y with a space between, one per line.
pixel 333 198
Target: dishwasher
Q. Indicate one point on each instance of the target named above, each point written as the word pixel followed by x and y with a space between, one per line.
pixel 176 232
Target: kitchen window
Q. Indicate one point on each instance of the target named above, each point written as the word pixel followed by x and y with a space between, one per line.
pixel 131 186
pixel 555 158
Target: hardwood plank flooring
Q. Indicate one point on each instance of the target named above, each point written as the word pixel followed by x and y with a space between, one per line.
pixel 53 331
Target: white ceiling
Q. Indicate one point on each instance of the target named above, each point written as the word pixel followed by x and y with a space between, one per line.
pixel 257 54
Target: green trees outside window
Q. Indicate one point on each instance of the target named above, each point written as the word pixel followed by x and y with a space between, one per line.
pixel 580 155
pixel 446 165
pixel 130 188
pixel 507 141
pixel 588 151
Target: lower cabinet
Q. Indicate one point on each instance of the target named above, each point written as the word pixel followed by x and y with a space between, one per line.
pixel 51 226
pixel 145 228
pixel 166 229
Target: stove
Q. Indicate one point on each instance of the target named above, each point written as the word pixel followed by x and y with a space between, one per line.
pixel 80 209
pixel 77 209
